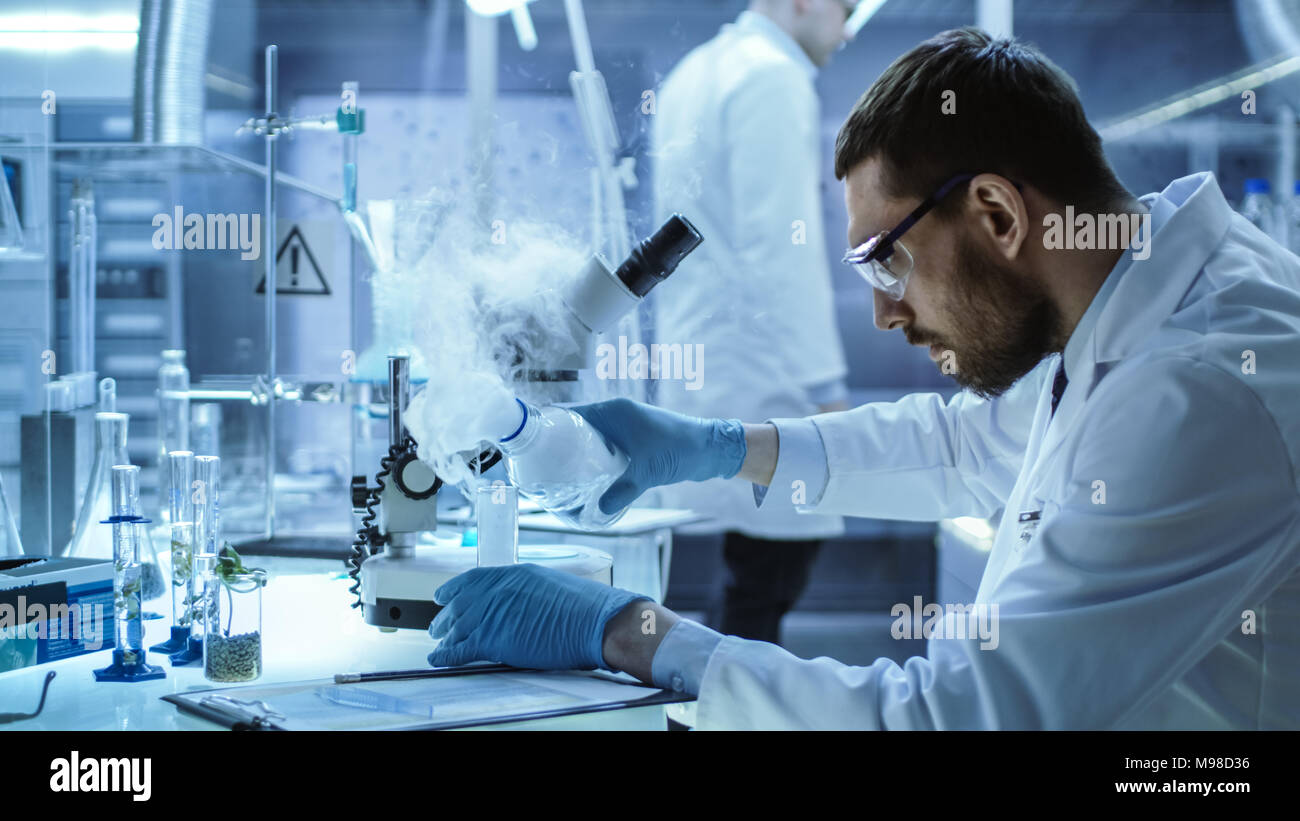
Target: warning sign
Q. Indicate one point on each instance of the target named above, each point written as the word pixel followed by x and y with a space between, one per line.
pixel 297 267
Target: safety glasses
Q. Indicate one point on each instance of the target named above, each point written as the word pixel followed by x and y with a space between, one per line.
pixel 883 261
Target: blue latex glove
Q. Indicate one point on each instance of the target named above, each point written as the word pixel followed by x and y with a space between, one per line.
pixel 524 615
pixel 664 447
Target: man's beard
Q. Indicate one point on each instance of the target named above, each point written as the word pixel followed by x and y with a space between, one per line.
pixel 1003 324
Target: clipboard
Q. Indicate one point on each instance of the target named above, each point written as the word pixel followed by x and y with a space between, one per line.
pixel 459 698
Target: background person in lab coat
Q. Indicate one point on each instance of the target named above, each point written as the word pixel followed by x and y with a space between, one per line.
pixel 736 136
pixel 1130 411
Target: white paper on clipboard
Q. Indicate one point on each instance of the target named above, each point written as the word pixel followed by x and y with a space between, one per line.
pixel 460 700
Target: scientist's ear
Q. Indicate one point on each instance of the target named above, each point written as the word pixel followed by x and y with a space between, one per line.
pixel 1000 212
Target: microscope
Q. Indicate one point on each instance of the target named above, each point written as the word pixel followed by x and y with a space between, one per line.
pixel 395 577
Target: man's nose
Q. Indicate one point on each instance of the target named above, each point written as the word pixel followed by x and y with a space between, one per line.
pixel 888 313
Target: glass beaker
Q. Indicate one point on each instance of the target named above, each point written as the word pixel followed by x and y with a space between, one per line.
pixel 232 644
pixel 497 506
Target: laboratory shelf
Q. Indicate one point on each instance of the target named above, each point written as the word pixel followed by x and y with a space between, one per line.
pixel 133 162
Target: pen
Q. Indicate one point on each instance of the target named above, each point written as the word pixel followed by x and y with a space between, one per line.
pixel 428 672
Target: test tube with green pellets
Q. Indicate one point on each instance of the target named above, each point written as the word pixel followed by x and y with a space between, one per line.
pixel 129 662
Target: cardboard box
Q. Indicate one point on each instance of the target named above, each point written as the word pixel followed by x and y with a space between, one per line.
pixel 53 609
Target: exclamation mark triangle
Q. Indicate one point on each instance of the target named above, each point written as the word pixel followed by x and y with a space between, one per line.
pixel 296 269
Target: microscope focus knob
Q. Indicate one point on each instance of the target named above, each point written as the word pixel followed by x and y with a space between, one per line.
pixel 360 494
pixel 414 478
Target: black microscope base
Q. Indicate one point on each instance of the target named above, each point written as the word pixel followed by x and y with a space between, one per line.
pixel 407 613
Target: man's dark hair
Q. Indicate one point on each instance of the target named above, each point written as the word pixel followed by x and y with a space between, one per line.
pixel 1017 115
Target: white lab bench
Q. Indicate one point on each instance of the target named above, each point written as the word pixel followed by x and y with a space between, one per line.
pixel 309 631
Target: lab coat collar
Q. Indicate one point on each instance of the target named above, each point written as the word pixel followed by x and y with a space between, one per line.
pixel 1152 288
pixel 758 23
pixel 1144 293
pixel 1081 338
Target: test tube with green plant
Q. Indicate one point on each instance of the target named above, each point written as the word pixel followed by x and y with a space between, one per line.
pixel 129 662
pixel 180 468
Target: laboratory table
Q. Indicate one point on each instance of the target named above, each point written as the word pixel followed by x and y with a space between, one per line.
pixel 309 631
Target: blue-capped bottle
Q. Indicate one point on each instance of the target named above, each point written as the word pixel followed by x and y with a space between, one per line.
pixel 557 459
pixel 1293 220
pixel 1257 205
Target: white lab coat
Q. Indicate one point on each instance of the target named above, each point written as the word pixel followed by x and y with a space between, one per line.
pixel 1123 612
pixel 736 149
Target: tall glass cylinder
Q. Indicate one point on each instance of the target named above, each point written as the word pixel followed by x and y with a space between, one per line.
pixel 185 593
pixel 128 609
pixel 205 429
pixel 180 472
pixel 206 497
pixel 173 417
pixel 178 541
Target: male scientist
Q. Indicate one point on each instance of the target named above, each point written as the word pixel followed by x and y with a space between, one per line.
pixel 1130 408
pixel 742 101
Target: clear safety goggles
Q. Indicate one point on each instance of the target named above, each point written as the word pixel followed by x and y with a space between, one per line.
pixel 885 269
pixel 883 261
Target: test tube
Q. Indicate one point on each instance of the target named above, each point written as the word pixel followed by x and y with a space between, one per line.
pixel 184 605
pixel 127 574
pixel 207 505
pixel 350 149
pixel 497 506
pixel 205 428
pixel 180 465
pixel 173 416
pixel 207 536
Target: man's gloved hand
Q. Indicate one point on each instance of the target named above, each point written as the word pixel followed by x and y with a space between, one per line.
pixel 524 615
pixel 664 447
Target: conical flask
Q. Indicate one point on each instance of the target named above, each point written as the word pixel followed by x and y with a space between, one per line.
pixel 10 545
pixel 89 539
pixel 11 232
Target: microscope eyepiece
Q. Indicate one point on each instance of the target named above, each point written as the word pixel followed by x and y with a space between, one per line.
pixel 658 255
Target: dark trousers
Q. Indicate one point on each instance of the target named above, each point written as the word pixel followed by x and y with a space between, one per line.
pixel 763 579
